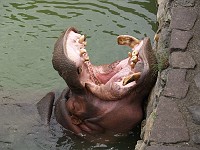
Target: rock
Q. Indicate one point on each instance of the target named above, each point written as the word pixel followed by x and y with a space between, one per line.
pixel 186 3
pixel 182 60
pixel 163 13
pixel 165 38
pixel 176 86
pixel 170 148
pixel 197 80
pixel 140 144
pixel 169 126
pixel 182 21
pixel 198 43
pixel 179 39
pixel 195 111
pixel 196 138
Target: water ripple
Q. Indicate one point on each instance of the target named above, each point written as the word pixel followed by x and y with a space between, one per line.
pixel 27 17
pixel 30 28
pixel 23 6
pixel 52 13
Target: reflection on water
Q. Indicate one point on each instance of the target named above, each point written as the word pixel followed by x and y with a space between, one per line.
pixel 30 28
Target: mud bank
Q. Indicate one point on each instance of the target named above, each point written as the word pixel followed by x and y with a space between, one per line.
pixel 173 108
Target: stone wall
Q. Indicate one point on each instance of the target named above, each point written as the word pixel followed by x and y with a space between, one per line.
pixel 165 127
pixel 161 46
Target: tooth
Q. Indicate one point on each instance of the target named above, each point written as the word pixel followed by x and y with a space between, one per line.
pixel 136 76
pixel 156 37
pixel 84 43
pixel 129 54
pixel 120 40
pixel 82 39
pixel 132 77
pixel 86 58
pixel 135 53
pixel 132 65
pixel 135 40
pixel 134 59
pixel 82 51
pixel 127 40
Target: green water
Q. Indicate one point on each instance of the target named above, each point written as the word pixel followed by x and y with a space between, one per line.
pixel 29 29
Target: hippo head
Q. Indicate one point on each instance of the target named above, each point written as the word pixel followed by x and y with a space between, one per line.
pixel 99 92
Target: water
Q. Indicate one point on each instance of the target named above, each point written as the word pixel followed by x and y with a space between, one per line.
pixel 29 30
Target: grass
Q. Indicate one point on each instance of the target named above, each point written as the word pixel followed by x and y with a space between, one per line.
pixel 162 63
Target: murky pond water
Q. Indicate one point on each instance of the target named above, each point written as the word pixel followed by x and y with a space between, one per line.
pixel 29 29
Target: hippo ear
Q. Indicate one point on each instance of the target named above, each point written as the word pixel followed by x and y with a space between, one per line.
pixel 106 92
pixel 45 106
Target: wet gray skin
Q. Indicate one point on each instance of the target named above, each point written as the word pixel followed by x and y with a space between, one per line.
pixel 108 99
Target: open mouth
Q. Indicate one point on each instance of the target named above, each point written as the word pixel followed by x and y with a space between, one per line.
pixel 125 73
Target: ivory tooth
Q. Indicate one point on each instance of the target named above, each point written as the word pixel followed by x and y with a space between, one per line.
pixel 134 59
pixel 136 76
pixel 130 78
pixel 125 81
pixel 84 43
pixel 82 51
pixel 127 40
pixel 86 58
pixel 132 65
pixel 82 39
pixel 129 54
pixel 136 40
pixel 135 53
pixel 156 37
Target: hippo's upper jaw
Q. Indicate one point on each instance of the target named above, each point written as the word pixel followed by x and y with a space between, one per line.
pixel 116 80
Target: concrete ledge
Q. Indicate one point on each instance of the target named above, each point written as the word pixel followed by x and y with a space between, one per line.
pixel 173 109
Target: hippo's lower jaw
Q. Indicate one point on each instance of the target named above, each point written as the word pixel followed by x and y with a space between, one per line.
pixel 102 99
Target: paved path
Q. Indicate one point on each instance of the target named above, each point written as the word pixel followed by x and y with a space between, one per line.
pixel 177 123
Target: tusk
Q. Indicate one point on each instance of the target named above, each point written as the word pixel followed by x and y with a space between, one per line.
pixel 156 37
pixel 132 77
pixel 82 39
pixel 127 40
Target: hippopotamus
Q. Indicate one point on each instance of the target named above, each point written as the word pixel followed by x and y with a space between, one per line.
pixel 106 100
